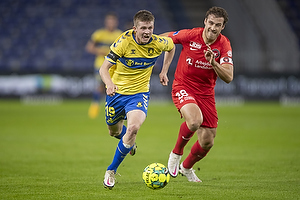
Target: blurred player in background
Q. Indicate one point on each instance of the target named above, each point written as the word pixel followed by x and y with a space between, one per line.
pixel 206 54
pixel 126 73
pixel 98 45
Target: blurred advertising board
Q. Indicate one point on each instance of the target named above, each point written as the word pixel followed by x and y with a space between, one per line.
pixel 241 88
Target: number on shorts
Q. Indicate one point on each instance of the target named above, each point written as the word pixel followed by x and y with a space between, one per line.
pixel 110 111
pixel 181 94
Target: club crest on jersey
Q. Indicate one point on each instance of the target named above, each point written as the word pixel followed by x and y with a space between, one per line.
pixel 150 51
pixel 195 46
pixel 216 52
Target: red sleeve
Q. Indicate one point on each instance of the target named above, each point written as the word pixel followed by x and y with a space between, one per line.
pixel 179 37
pixel 226 55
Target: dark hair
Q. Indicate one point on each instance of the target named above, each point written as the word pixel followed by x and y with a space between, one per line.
pixel 218 12
pixel 143 16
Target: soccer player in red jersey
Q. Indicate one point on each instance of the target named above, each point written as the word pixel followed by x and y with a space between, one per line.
pixel 206 54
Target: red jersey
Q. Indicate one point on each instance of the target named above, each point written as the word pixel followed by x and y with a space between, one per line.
pixel 193 70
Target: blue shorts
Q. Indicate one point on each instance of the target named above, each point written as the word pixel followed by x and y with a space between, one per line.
pixel 117 106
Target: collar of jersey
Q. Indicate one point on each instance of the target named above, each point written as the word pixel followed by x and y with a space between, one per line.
pixel 139 43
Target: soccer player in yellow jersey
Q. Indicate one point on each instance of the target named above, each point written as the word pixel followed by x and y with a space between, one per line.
pixel 99 45
pixel 126 73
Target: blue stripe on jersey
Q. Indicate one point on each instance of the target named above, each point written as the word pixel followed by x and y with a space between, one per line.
pixel 100 44
pixel 139 63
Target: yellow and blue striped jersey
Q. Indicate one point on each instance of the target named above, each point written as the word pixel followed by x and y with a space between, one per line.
pixel 132 71
pixel 103 39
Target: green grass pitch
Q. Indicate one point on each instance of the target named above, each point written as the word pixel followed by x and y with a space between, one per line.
pixel 57 152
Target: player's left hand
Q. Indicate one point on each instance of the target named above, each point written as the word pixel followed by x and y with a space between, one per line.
pixel 209 55
pixel 163 79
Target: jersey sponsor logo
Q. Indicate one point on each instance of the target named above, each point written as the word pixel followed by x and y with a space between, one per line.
pixel 216 52
pixel 203 65
pixel 195 46
pixel 198 63
pixel 189 98
pixel 189 61
pixel 141 63
pixel 129 62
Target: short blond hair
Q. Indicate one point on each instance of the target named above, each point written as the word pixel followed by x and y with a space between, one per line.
pixel 143 16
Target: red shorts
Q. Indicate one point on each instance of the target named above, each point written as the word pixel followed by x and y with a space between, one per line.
pixel 182 96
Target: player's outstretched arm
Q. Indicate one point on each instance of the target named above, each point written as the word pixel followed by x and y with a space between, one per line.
pixel 166 64
pixel 164 34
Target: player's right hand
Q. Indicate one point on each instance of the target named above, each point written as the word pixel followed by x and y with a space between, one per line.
pixel 163 79
pixel 111 89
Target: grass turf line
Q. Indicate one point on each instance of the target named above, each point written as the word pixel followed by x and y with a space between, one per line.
pixel 57 152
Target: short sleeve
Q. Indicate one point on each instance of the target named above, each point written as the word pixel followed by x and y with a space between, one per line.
pixel 179 37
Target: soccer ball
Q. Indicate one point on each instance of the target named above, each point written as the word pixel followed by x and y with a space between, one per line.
pixel 156 176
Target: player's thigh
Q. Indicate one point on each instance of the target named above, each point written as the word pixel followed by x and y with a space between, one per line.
pixel 191 111
pixel 135 118
pixel 209 111
pixel 192 115
pixel 136 110
pixel 187 105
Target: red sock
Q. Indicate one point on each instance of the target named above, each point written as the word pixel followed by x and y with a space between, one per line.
pixel 196 154
pixel 183 137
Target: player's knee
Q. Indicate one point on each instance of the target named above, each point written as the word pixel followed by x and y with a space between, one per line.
pixel 113 133
pixel 194 124
pixel 132 129
pixel 207 145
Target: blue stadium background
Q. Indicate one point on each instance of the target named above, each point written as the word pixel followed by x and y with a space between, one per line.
pixel 49 36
